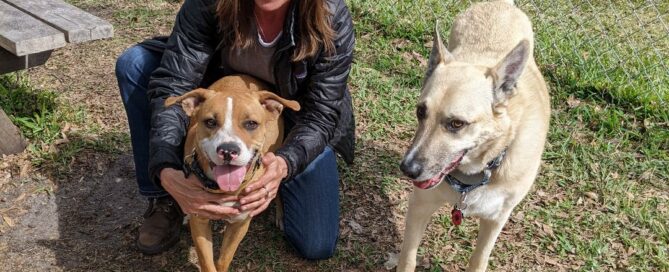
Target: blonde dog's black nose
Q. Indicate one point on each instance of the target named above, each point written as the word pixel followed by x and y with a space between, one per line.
pixel 411 168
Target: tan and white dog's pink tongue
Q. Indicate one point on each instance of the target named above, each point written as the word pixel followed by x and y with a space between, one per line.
pixel 229 177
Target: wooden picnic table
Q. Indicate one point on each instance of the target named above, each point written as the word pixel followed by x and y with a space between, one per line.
pixel 29 31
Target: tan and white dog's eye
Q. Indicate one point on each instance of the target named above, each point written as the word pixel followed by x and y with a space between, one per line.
pixel 210 123
pixel 250 125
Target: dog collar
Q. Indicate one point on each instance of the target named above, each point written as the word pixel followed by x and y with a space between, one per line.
pixel 464 188
pixel 194 168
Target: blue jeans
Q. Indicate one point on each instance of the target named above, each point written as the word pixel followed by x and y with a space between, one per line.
pixel 310 200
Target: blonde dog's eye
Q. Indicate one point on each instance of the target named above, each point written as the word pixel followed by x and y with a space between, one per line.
pixel 250 125
pixel 455 125
pixel 210 123
pixel 421 112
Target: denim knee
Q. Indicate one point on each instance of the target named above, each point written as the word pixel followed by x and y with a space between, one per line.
pixel 314 248
pixel 133 67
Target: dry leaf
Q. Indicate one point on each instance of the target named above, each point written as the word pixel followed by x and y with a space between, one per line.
pixel 25 169
pixel 60 141
pixel 551 261
pixel 592 195
pixel 647 175
pixel 630 195
pixel 399 43
pixel 8 220
pixel 21 197
pixel 357 228
pixel 562 215
pixel 425 262
pixel 66 128
pixel 419 58
pixel 547 229
pixel 391 261
pixel 573 102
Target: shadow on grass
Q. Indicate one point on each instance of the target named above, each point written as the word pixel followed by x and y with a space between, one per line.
pixel 98 210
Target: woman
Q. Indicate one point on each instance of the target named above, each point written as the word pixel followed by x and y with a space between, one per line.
pixel 304 49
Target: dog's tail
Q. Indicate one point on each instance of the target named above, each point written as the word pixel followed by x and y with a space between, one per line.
pixel 510 2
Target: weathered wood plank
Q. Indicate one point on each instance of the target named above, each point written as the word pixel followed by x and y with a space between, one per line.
pixel 11 141
pixel 78 25
pixel 10 62
pixel 22 34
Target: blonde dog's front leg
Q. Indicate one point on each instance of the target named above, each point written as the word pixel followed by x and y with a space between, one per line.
pixel 201 232
pixel 233 235
pixel 489 230
pixel 422 204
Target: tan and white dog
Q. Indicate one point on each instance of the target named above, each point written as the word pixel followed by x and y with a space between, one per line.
pixel 483 116
pixel 232 123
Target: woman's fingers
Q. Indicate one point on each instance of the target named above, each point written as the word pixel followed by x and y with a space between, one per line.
pixel 270 173
pixel 253 205
pixel 261 208
pixel 218 211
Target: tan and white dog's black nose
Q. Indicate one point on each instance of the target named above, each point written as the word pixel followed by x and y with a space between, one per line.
pixel 228 151
pixel 411 168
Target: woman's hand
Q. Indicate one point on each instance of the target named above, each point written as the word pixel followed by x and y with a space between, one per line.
pixel 258 195
pixel 192 197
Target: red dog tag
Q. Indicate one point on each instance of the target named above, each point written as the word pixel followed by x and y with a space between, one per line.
pixel 456 216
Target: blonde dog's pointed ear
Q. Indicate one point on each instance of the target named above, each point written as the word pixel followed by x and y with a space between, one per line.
pixel 274 104
pixel 439 52
pixel 508 70
pixel 190 101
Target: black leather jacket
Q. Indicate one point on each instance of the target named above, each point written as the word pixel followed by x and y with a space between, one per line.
pixel 191 58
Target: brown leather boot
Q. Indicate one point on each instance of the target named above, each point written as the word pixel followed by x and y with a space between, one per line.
pixel 161 227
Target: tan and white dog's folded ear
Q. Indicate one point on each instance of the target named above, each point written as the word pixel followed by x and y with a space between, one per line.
pixel 190 101
pixel 274 103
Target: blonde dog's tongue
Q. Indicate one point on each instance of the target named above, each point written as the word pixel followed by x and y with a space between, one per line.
pixel 229 177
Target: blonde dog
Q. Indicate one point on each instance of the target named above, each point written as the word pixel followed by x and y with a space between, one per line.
pixel 483 116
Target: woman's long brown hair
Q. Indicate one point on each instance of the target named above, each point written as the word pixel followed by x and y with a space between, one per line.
pixel 314 26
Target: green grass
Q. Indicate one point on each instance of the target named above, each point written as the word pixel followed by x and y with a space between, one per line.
pixel 611 141
pixel 47 124
pixel 32 110
pixel 140 16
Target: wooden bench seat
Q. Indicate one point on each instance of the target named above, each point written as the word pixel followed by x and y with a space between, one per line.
pixel 22 34
pixel 76 24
